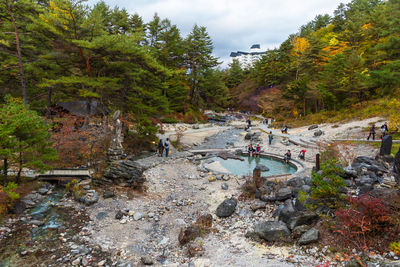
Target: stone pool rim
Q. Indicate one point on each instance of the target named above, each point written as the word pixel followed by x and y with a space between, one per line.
pixel 300 168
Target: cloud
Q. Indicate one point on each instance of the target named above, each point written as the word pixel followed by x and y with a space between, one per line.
pixel 234 24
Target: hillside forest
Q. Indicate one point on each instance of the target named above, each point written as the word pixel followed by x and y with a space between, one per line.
pixel 64 50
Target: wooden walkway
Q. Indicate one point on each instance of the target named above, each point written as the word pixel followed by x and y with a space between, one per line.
pixel 64 174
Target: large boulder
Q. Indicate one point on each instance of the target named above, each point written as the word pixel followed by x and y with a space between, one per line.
pixel 126 172
pixel 312 127
pixel 308 237
pixel 318 133
pixel 226 208
pixel 284 193
pixel 262 168
pixel 272 231
pixel 396 164
pixel 369 164
pixel 248 136
pixel 302 218
pixel 89 198
pixel 386 145
pixel 296 182
pixel 287 212
pixel 389 196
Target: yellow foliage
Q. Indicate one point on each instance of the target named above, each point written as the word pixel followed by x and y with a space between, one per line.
pixel 395 247
pixel 394 118
pixel 300 45
pixel 295 112
pixel 333 41
pixel 367 26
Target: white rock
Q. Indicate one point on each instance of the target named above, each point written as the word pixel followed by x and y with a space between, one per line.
pixel 163 241
pixel 76 261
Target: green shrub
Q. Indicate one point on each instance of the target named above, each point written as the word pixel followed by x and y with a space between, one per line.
pixel 326 187
pixel 328 183
pixel 169 120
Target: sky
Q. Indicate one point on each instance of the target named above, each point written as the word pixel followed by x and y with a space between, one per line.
pixel 234 25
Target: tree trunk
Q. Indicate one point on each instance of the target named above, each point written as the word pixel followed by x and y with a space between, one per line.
pixel 19 169
pixel 5 172
pixel 125 92
pixel 21 68
pixel 304 106
pixel 49 93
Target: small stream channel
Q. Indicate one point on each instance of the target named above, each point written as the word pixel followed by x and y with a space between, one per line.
pixel 39 235
pixel 222 139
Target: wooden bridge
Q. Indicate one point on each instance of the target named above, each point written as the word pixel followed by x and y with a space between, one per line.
pixel 64 174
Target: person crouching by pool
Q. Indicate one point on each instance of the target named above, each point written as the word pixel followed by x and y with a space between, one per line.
pixel 251 150
pixel 258 151
pixel 287 156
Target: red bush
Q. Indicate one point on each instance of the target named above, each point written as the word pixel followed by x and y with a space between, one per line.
pixel 365 223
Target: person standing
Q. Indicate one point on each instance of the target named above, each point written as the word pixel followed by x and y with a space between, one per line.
pixel 166 146
pixel 384 129
pixel 160 148
pixel 270 137
pixel 372 132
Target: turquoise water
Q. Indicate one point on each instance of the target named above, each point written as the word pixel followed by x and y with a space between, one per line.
pixel 246 167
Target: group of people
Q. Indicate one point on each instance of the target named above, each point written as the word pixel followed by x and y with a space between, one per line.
pixel 163 146
pixel 254 151
pixel 372 132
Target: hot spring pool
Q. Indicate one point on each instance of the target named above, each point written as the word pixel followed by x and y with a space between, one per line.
pixel 246 167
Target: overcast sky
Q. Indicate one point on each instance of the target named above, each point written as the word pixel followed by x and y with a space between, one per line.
pixel 234 24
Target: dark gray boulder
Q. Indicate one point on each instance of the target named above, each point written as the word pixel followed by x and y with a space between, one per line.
pixel 296 182
pixel 226 208
pixel 272 231
pixel 300 230
pixel 90 198
pixel 386 145
pixel 298 205
pixel 248 136
pixel 288 211
pixel 307 180
pixel 108 194
pixel 119 215
pixel 126 172
pixel 360 164
pixel 284 193
pixel 309 237
pixel 302 218
pixel 318 133
pixel 396 164
pixel 312 127
pixel 224 186
pixel 258 205
pixel 365 188
pixel 305 188
pixel 350 172
pixel 262 168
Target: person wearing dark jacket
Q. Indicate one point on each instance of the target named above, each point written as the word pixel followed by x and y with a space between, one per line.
pixel 372 132
pixel 160 148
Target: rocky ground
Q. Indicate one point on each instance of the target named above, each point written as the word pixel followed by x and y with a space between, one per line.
pixel 131 228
